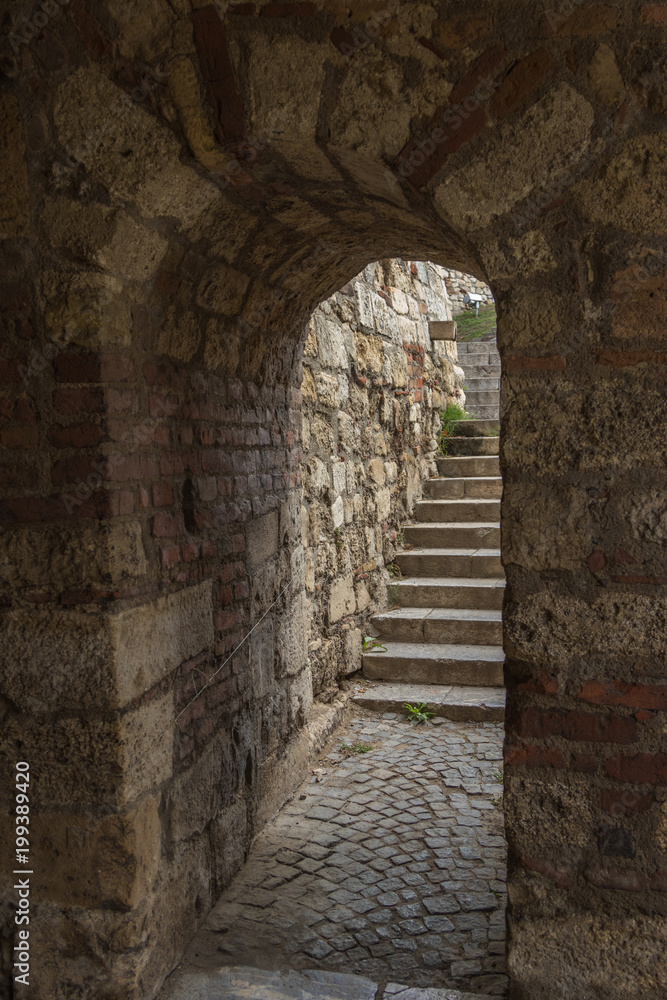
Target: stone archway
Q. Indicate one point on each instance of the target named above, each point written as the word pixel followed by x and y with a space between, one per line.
pixel 187 185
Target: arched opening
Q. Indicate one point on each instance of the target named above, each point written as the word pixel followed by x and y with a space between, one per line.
pixel 187 188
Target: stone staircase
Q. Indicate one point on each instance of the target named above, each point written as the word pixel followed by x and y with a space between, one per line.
pixel 443 637
pixel 481 363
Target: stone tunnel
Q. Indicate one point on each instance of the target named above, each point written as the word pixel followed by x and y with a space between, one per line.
pixel 183 184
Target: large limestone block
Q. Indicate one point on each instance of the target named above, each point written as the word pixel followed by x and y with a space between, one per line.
pixel 56 657
pixel 262 539
pixel 541 150
pixel 123 756
pixel 88 860
pixel 342 600
pixel 128 150
pixel 73 555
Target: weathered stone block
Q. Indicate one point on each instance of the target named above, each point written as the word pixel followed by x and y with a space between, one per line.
pixel 262 539
pixel 342 600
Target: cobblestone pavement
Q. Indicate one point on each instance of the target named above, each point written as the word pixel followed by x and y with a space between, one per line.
pixel 387 864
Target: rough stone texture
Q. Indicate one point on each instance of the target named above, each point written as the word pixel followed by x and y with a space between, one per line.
pixel 388 863
pixel 107 415
pixel 373 385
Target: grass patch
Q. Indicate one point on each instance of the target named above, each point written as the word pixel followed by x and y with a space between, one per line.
pixel 449 420
pixel 471 327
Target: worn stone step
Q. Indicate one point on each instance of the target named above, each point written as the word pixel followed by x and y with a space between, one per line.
pixel 473 445
pixel 468 465
pixel 436 663
pixel 455 702
pixel 457 562
pixel 454 535
pixel 486 398
pixel 459 487
pixel 475 428
pixel 477 346
pixel 449 592
pixel 486 411
pixel 480 383
pixel 440 625
pixel 484 370
pixel 457 510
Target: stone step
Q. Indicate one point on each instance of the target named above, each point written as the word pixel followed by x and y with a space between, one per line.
pixel 486 411
pixel 457 562
pixel 449 592
pixel 481 383
pixel 474 428
pixel 486 397
pixel 477 346
pixel 473 446
pixel 457 510
pixel 436 663
pixel 454 535
pixel 440 625
pixel 469 465
pixel 454 488
pixel 473 370
pixel 460 704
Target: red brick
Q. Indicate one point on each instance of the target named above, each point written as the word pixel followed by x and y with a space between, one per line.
pixel 167 525
pixel 15 476
pixel 163 494
pixel 163 406
pixel 209 549
pixel 478 71
pixel 121 400
pixel 19 437
pixel 89 29
pixel 627 879
pixel 24 411
pixel 581 727
pixel 596 561
pixel 593 20
pixel 654 13
pixel 72 401
pixel 616 692
pixel 132 467
pixel 81 435
pixel 619 802
pixel 524 755
pixel 432 47
pixel 523 80
pixel 9 372
pixel 561 876
pixel 248 9
pixel 623 557
pixel 552 363
pixel 584 763
pixel 659 880
pixel 420 160
pixel 93 368
pixel 89 469
pixel 171 555
pixel 642 769
pixel 542 684
pixel 218 73
pixel 624 359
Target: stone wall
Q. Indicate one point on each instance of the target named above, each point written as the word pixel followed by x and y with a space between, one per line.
pixel 373 384
pixel 458 283
pixel 180 190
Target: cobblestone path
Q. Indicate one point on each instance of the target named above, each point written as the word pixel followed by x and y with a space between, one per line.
pixel 388 864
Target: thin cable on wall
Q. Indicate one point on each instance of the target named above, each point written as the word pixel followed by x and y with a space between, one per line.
pixel 235 651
